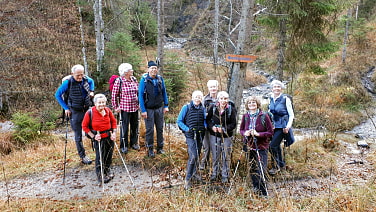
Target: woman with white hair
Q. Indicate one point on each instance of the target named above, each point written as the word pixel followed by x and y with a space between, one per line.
pixel 221 122
pixel 100 125
pixel 283 115
pixel 124 100
pixel 191 121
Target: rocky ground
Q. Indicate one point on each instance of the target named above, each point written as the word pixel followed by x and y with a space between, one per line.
pixel 80 181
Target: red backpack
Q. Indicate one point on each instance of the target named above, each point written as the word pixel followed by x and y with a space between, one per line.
pixel 111 82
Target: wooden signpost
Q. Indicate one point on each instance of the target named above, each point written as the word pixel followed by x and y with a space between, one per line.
pixel 240 58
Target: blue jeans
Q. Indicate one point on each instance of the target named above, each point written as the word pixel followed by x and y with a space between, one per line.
pixel 76 124
pixel 155 117
pixel 129 120
pixel 194 151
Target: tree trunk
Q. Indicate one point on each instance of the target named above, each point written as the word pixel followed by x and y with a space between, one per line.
pixel 160 8
pixel 236 79
pixel 83 43
pixel 281 48
pixel 346 36
pixel 216 34
pixel 99 33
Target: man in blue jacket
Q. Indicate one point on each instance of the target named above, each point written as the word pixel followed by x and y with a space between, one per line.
pixel 74 96
pixel 153 102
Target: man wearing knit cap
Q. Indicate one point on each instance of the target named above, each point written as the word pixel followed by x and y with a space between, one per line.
pixel 153 102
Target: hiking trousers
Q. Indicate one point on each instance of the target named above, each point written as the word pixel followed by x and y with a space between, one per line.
pixel 194 151
pixel 275 148
pixel 206 149
pixel 130 121
pixel 107 149
pixel 221 155
pixel 255 169
pixel 76 124
pixel 155 117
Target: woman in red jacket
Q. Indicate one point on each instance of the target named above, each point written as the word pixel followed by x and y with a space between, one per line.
pixel 100 125
pixel 257 129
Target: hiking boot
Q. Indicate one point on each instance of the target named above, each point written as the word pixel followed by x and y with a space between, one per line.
pixel 224 180
pixel 107 179
pixel 201 166
pixel 160 151
pixel 111 175
pixel 213 178
pixel 124 150
pixel 197 179
pixel 274 171
pixel 135 147
pixel 151 153
pixel 187 185
pixel 85 160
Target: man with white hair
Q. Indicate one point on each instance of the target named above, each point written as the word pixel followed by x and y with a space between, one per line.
pixel 125 102
pixel 153 100
pixel 78 91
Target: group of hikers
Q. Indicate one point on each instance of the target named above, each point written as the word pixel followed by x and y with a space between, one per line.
pixel 208 123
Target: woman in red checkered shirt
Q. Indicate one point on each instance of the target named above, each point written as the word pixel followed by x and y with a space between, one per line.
pixel 125 102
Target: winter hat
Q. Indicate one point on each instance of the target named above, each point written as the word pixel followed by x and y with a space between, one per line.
pixel 151 63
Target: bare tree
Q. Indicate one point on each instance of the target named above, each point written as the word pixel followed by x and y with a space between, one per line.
pixel 236 79
pixel 160 14
pixel 83 43
pixel 99 33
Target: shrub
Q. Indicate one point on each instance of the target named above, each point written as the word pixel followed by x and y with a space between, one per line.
pixel 27 128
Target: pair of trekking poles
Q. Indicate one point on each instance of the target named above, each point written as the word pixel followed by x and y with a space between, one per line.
pixel 259 163
pixel 100 155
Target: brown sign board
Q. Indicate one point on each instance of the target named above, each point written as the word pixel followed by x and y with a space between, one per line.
pixel 240 58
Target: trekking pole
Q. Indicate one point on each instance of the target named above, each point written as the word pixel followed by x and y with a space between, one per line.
pixel 6 184
pixel 125 166
pixel 198 155
pixel 65 149
pixel 236 168
pixel 121 131
pixel 260 164
pixel 101 164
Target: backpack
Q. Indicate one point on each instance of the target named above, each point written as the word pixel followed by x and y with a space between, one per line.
pixel 290 97
pixel 231 106
pixel 144 77
pixel 111 82
pixel 263 117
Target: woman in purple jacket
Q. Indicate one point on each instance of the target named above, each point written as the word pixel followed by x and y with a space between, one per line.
pixel 257 129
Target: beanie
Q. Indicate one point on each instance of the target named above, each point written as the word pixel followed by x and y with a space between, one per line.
pixel 151 63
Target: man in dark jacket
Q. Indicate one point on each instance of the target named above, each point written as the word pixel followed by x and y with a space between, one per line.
pixel 78 91
pixel 153 102
pixel 221 121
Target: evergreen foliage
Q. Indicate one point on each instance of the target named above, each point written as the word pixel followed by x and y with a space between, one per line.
pixel 144 24
pixel 27 128
pixel 175 76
